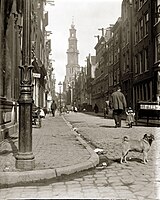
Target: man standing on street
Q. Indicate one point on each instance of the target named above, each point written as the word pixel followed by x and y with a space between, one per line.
pixel 53 108
pixel 118 103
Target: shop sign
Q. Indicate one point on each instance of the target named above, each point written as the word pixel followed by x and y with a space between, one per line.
pixel 36 75
pixel 149 107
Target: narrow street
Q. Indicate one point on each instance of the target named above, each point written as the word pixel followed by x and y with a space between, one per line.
pixel 133 180
pixel 66 69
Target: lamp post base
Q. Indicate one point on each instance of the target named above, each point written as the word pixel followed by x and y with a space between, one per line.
pixel 25 161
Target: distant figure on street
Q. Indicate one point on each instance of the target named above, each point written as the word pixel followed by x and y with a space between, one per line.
pixel 96 109
pixel 42 113
pixel 130 117
pixel 75 109
pixel 106 108
pixel 118 104
pixel 53 108
pixel 45 110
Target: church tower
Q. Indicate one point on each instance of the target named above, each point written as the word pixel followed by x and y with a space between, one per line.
pixel 72 67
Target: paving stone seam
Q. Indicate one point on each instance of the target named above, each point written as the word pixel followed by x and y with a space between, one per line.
pixel 94 158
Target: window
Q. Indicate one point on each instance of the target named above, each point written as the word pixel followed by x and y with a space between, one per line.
pixel 136 34
pixel 40 50
pixel 140 62
pixel 136 6
pixel 140 3
pixel 146 20
pixel 111 78
pixel 157 10
pixel 124 64
pixel 145 59
pixel 127 58
pixel 157 48
pixel 136 64
pixel 115 77
pixel 140 29
pixel 127 36
pixel 123 38
pixel 144 91
pixel 115 55
pixel 118 76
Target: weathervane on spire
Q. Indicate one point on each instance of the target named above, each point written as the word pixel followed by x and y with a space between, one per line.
pixel 72 22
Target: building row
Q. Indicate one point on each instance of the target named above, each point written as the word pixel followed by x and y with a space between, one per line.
pixel 127 54
pixel 11 56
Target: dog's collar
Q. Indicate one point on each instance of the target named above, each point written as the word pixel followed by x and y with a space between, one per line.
pixel 146 141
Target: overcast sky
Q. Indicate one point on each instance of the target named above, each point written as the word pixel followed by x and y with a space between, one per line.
pixel 88 16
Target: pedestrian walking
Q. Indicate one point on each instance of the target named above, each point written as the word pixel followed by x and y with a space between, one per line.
pixel 106 109
pixel 75 109
pixel 53 107
pixel 118 104
pixel 96 109
pixel 130 117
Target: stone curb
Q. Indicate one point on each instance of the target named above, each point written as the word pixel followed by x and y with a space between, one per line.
pixel 23 177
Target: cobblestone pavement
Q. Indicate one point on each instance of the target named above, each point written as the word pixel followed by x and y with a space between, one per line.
pixel 139 179
pixel 128 181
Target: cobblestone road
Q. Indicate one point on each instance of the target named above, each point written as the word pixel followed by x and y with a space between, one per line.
pixel 129 181
pixel 137 178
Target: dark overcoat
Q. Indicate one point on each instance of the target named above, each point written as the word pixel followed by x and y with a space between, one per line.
pixel 118 101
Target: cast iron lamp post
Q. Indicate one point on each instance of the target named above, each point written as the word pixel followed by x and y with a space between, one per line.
pixel 60 85
pixel 25 158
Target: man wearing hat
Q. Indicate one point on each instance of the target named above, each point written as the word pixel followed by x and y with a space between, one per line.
pixel 118 103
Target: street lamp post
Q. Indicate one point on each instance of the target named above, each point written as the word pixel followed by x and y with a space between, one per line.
pixel 60 85
pixel 25 158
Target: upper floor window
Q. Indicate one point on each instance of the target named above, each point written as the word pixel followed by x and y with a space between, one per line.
pixel 136 33
pixel 136 64
pixel 140 29
pixel 146 21
pixel 145 59
pixel 124 63
pixel 136 5
pixel 157 11
pixel 123 37
pixel 140 3
pixel 140 62
pixel 127 36
pixel 118 76
pixel 157 48
pixel 115 77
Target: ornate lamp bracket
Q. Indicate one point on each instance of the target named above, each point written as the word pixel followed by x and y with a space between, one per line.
pixel 26 75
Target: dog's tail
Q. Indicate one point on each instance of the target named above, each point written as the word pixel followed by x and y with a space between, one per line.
pixel 125 139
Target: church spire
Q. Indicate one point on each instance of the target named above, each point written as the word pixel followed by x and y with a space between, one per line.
pixel 72 26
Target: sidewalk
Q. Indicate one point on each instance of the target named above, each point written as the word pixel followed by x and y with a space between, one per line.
pixel 57 148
